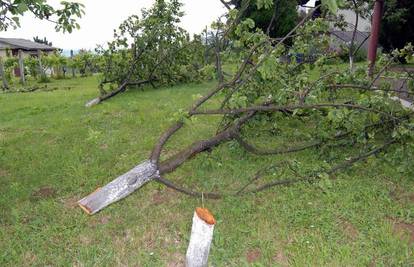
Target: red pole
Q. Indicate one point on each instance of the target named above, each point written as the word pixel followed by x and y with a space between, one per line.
pixel 375 28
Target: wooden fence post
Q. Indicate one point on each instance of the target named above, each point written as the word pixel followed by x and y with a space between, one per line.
pixel 21 67
pixel 3 76
pixel 201 237
pixel 72 68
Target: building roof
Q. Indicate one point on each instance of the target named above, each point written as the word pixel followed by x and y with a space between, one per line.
pixel 346 36
pixel 23 44
pixel 361 38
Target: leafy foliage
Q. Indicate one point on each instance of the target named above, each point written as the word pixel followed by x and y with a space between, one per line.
pixel 10 63
pixel 397 24
pixel 154 48
pixel 338 108
pixel 64 17
pixel 85 62
pixel 42 41
pixel 283 12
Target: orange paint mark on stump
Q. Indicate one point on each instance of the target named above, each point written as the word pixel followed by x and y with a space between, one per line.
pixel 206 216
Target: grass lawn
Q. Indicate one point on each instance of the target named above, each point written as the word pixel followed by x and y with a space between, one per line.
pixel 54 151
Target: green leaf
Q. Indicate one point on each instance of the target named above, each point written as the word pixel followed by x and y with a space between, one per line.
pixel 266 4
pixel 250 23
pixel 22 7
pixel 16 21
pixel 332 5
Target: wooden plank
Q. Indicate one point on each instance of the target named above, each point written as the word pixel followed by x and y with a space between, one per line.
pixel 21 67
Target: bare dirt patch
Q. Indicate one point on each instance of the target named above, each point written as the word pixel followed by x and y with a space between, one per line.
pixel 158 197
pixel 398 194
pixel 176 260
pixel 149 239
pixel 4 173
pixel 281 258
pixel 405 197
pixel 44 192
pixel 104 146
pixel 85 240
pixel 253 255
pixel 70 202
pixel 29 258
pixel 163 196
pixel 104 219
pixel 403 230
pixel 349 229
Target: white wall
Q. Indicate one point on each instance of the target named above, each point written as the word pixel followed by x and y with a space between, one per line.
pixel 364 25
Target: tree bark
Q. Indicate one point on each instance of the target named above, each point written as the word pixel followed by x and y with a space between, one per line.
pixel 351 46
pixel 120 89
pixel 119 188
pixel 201 237
pixel 375 30
pixel 175 161
pixel 217 49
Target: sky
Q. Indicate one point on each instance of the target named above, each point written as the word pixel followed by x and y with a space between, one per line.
pixel 102 16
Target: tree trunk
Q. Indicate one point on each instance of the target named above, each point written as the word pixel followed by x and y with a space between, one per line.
pixel 119 188
pixel 219 71
pixel 201 237
pixel 351 46
pixel 375 30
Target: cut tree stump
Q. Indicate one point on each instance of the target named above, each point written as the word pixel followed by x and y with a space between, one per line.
pixel 119 188
pixel 201 237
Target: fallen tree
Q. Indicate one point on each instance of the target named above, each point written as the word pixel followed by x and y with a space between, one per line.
pixel 150 50
pixel 265 90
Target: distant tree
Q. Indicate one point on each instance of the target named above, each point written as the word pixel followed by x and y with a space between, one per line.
pixel 151 49
pixel 64 17
pixel 277 19
pixel 42 41
pixel 85 62
pixel 397 24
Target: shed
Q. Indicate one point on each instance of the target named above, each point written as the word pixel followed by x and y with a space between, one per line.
pixel 11 46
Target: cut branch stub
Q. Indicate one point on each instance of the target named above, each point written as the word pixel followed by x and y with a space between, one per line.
pixel 201 237
pixel 93 102
pixel 120 187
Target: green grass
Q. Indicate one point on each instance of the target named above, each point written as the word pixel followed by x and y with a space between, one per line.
pixel 53 151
